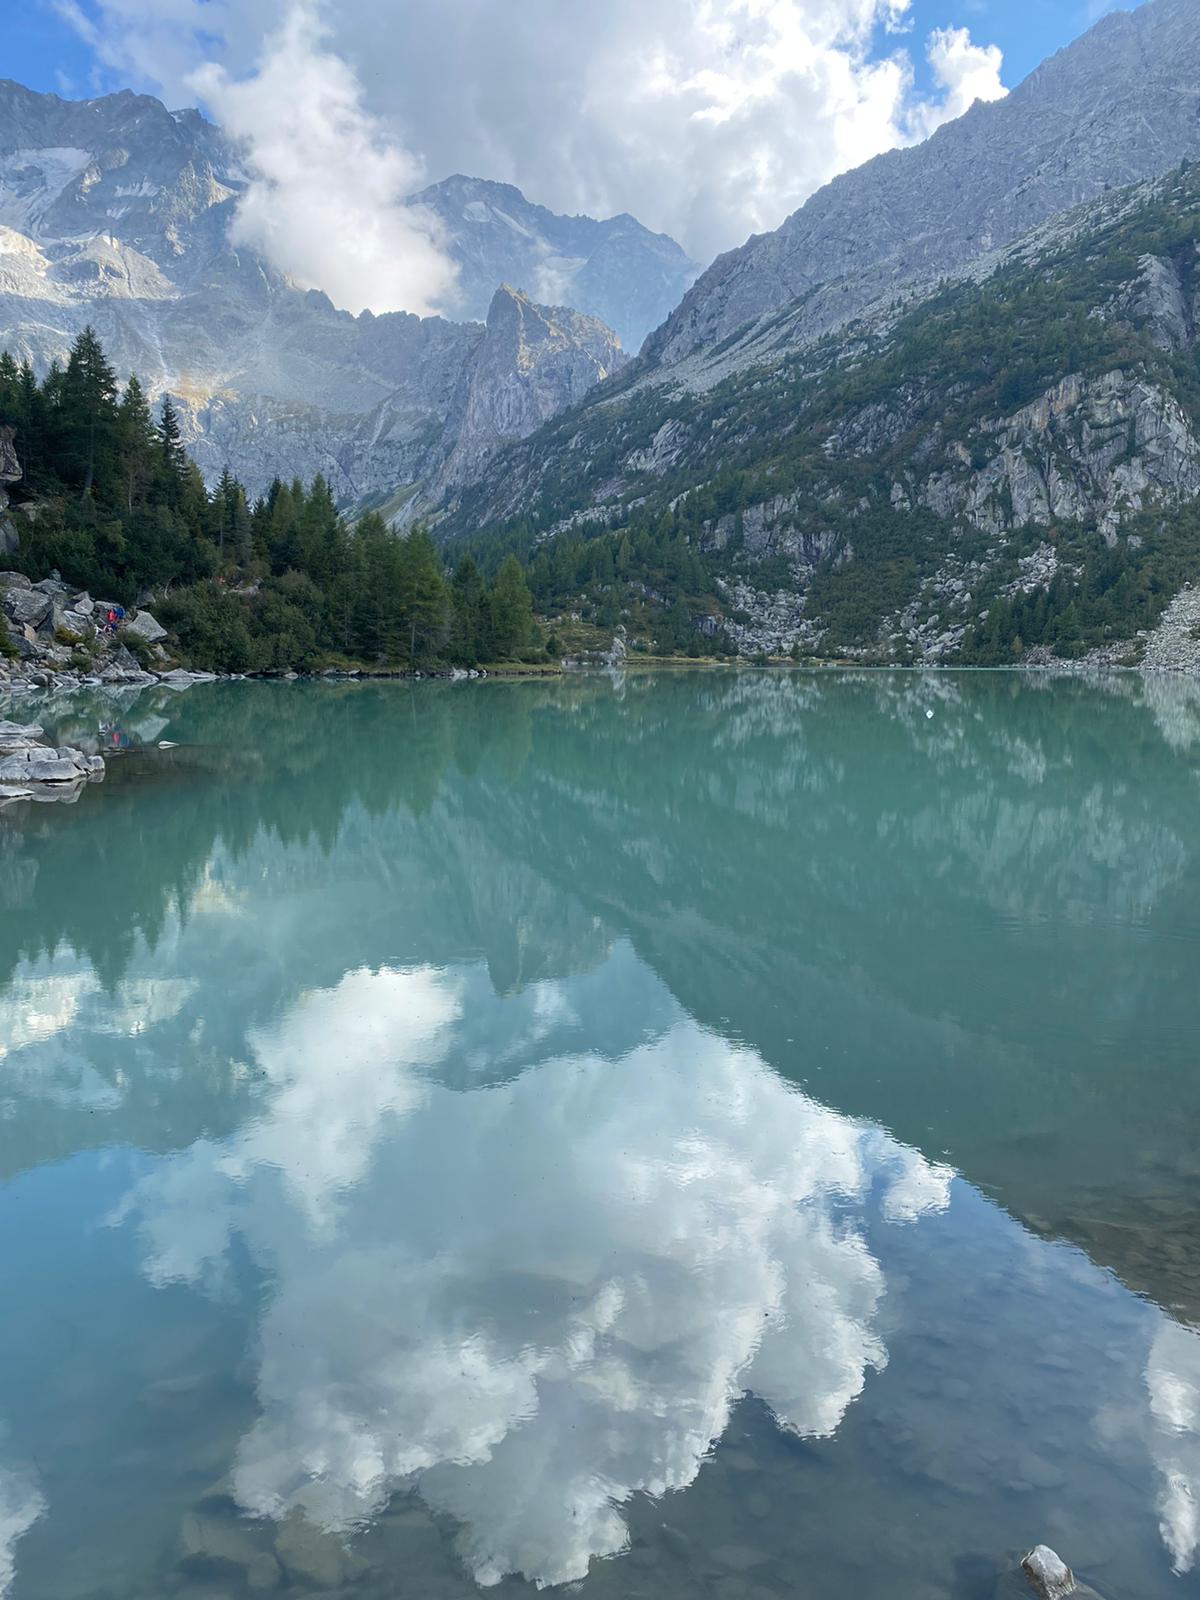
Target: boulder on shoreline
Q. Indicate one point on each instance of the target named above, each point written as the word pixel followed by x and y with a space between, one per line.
pixel 29 767
pixel 144 627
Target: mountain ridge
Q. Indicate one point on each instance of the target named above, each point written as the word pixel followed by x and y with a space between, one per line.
pixel 1117 105
pixel 613 268
pixel 1010 463
pixel 114 212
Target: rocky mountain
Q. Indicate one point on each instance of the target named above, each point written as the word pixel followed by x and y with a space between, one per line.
pixel 616 270
pixel 1009 465
pixel 115 212
pixel 1120 104
pixel 949 411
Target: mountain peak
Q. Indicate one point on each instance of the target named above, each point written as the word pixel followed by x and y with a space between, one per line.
pixel 1117 105
pixel 615 269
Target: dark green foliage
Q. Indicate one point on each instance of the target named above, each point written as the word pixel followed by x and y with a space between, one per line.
pixel 832 428
pixel 1101 595
pixel 510 612
pixel 285 583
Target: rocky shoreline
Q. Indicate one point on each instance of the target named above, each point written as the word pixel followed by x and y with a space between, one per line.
pixel 33 769
pixel 62 639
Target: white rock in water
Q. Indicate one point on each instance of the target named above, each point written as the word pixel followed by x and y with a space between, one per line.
pixel 1048 1575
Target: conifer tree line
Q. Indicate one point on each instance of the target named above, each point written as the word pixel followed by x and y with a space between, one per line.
pixel 280 582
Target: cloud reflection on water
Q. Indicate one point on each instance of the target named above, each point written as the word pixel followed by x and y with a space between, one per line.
pixel 1173 1383
pixel 21 1504
pixel 530 1301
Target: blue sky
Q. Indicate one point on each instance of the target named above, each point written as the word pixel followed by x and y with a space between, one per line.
pixel 41 48
pixel 1026 30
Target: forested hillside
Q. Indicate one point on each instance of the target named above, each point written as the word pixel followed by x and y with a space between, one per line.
pixel 1010 463
pixel 1007 468
pixel 108 497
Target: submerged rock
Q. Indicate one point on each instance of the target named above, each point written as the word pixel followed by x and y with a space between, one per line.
pixel 233 1541
pixel 1048 1575
pixel 312 1556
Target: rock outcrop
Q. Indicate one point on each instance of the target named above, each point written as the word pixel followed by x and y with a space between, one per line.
pixel 533 362
pixel 142 626
pixel 55 631
pixel 1100 448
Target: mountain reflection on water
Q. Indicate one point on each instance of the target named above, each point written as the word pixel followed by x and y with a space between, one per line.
pixel 507 1069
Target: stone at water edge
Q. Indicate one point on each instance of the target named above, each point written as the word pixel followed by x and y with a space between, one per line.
pixel 1049 1576
pixel 24 760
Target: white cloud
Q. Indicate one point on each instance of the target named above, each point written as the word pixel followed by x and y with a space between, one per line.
pixel 539 1298
pixel 707 119
pixel 326 198
pixel 966 72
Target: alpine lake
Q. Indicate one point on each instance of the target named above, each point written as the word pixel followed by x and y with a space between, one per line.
pixel 717 1135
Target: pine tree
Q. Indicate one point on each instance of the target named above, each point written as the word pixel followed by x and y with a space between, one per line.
pixel 223 500
pixel 30 425
pixel 135 443
pixel 467 598
pixel 240 531
pixel 511 608
pixel 423 597
pixel 10 389
pixel 320 550
pixel 172 456
pixel 88 411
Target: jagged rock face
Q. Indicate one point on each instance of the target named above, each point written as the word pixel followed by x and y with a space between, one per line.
pixel 533 362
pixel 122 166
pixel 1118 105
pixel 1101 449
pixel 1165 299
pixel 616 270
pixel 115 212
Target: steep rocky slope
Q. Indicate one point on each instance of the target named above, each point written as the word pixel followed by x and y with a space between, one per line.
pixel 115 212
pixel 1118 105
pixel 616 270
pixel 1011 463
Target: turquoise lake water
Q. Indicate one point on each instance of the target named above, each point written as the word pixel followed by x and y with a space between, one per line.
pixel 724 1135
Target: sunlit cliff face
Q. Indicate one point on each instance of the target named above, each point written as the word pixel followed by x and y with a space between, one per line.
pixel 530 1301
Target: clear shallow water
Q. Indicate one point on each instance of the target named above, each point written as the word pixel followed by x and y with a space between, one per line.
pixel 712 1134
